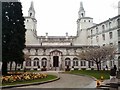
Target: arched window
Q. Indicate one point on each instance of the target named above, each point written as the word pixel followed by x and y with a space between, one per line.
pixel 36 62
pixel 67 62
pixel 83 63
pixel 103 27
pixel 30 14
pixel 118 22
pixel 96 29
pixel 109 24
pixel 75 61
pixel 44 62
pixel 28 62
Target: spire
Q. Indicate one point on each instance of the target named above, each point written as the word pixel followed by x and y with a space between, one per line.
pixel 31 11
pixel 81 6
pixel 81 12
pixel 31 7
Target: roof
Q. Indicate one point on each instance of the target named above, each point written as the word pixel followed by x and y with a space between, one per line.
pixel 104 21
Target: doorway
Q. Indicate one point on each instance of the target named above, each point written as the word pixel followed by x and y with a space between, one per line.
pixel 55 61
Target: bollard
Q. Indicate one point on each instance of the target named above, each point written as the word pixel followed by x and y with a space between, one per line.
pixel 101 78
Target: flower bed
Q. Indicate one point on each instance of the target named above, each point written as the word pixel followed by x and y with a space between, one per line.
pixel 22 77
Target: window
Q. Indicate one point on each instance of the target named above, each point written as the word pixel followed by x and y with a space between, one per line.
pixel 118 33
pixel 30 14
pixel 90 63
pixel 89 20
pixel 110 35
pixel 118 22
pixel 103 35
pixel 29 50
pixel 111 44
pixel 109 24
pixel 36 62
pixel 67 62
pixel 96 29
pixel 103 44
pixel 44 62
pixel 97 38
pixel 83 63
pixel 84 20
pixel 91 40
pixel 36 53
pixel 91 32
pixel 103 27
pixel 119 46
pixel 28 62
pixel 75 62
pixel 82 14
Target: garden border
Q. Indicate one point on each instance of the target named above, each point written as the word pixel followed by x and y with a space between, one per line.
pixel 28 84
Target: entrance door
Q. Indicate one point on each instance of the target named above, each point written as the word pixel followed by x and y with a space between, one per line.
pixel 55 61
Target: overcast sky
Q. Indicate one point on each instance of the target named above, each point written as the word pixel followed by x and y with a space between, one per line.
pixel 59 16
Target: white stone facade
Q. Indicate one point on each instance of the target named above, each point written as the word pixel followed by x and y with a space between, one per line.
pixel 58 52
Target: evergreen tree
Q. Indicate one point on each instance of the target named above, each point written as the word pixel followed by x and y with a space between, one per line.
pixel 13 34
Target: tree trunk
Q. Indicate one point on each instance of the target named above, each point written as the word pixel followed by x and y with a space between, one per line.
pixel 98 66
pixel 4 68
pixel 11 66
pixel 15 66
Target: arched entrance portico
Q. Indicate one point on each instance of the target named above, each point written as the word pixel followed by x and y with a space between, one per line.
pixel 56 59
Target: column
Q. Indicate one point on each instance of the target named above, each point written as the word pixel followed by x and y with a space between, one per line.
pixel 71 63
pixel 32 62
pixel 40 64
pixel 24 66
pixel 79 64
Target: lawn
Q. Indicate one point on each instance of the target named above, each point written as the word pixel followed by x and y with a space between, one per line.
pixel 94 73
pixel 49 77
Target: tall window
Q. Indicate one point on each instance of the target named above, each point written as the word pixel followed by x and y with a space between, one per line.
pixel 67 62
pixel 36 62
pixel 103 27
pixel 28 62
pixel 44 62
pixel 96 29
pixel 118 33
pixel 36 53
pixel 91 32
pixel 110 35
pixel 109 24
pixel 118 22
pixel 83 63
pixel 119 46
pixel 97 38
pixel 30 14
pixel 75 62
pixel 103 36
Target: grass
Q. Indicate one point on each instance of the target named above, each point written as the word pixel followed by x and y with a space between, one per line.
pixel 94 73
pixel 49 77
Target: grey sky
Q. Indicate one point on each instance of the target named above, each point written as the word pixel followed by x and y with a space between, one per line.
pixel 59 16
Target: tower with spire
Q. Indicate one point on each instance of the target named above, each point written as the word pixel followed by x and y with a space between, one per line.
pixel 30 25
pixel 83 23
pixel 31 11
pixel 81 12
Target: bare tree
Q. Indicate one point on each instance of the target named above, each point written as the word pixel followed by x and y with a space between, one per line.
pixel 98 55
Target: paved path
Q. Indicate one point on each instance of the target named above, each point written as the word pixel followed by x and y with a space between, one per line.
pixel 67 81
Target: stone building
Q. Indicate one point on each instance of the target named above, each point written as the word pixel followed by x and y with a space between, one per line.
pixel 60 52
